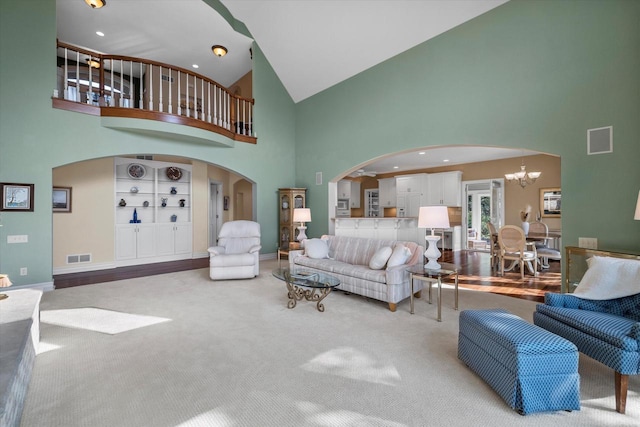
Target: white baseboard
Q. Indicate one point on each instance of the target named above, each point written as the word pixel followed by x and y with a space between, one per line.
pixel 91 266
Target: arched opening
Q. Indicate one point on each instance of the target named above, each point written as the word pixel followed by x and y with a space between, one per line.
pixel 106 202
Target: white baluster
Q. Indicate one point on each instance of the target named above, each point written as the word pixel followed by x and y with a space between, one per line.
pixel 170 90
pixel 121 100
pixel 209 102
pixel 131 88
pixel 187 95
pixel 141 103
pixel 215 105
pixel 78 96
pixel 250 129
pixel 179 98
pixel 66 76
pixel 160 97
pixel 150 87
pixel 201 99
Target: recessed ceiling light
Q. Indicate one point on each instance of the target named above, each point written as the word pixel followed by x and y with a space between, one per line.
pixel 421 152
pixel 395 167
pixel 100 33
pixel 195 66
pixel 445 160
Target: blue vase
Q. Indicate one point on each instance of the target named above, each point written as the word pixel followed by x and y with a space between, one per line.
pixel 135 215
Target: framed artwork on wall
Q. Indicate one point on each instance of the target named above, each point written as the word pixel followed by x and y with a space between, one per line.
pixel 17 197
pixel 550 202
pixel 225 203
pixel 61 198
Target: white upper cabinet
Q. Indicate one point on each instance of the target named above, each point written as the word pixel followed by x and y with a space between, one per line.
pixel 350 190
pixel 445 189
pixel 344 189
pixel 411 183
pixel 387 187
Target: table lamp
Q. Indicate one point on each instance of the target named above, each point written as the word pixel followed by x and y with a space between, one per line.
pixel 4 283
pixel 302 215
pixel 433 217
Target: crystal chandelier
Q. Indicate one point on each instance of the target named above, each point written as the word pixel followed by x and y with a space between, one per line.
pixel 522 177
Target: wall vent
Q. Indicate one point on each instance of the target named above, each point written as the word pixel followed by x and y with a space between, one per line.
pixel 167 78
pixel 318 178
pixel 74 259
pixel 145 157
pixel 600 140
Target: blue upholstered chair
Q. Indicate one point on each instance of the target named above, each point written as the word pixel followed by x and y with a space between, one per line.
pixel 605 330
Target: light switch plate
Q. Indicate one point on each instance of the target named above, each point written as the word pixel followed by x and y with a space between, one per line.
pixel 23 238
pixel 588 242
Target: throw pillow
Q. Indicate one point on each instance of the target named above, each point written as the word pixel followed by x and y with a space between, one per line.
pixel 316 248
pixel 400 255
pixel 379 259
pixel 609 278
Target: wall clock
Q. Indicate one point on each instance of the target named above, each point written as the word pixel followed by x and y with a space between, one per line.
pixel 174 173
pixel 136 170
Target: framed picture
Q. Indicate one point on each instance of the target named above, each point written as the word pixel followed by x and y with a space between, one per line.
pixel 17 197
pixel 61 199
pixel 226 203
pixel 550 202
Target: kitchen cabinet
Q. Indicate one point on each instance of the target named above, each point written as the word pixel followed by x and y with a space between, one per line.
pixel 349 190
pixel 387 192
pixel 415 183
pixel 408 204
pixel 445 189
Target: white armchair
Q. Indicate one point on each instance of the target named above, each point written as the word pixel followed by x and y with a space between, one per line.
pixel 237 253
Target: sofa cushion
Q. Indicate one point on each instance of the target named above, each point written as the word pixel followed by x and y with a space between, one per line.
pixel 316 248
pixel 399 256
pixel 325 264
pixel 616 330
pixel 379 259
pixel 360 272
pixel 609 278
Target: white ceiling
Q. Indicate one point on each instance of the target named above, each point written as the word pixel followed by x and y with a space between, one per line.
pixel 311 44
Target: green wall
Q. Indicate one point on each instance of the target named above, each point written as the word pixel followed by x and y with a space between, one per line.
pixel 528 74
pixel 35 138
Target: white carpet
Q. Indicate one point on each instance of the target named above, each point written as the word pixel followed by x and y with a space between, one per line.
pixel 234 355
pixel 97 319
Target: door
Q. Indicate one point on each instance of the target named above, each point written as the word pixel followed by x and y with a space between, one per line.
pixel 484 202
pixel 215 195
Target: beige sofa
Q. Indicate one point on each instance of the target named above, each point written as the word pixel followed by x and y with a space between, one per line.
pixel 350 259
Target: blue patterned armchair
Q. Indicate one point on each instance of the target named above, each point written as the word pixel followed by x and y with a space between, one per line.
pixel 605 330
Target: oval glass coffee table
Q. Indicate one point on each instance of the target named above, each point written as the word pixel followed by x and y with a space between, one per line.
pixel 310 285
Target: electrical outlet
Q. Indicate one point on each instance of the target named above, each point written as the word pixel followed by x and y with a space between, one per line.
pixel 588 242
pixel 23 271
pixel 23 238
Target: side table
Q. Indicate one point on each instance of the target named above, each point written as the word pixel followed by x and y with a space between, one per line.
pixel 418 272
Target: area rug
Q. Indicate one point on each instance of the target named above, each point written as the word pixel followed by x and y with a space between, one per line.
pixel 98 320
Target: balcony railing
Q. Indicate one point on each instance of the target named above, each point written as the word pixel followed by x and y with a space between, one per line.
pixel 122 86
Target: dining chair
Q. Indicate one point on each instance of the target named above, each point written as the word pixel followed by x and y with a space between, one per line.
pixel 513 246
pixel 494 247
pixel 545 253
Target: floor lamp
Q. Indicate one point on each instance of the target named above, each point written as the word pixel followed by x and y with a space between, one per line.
pixel 433 217
pixel 302 215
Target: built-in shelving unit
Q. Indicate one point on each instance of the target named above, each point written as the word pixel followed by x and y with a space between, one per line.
pixel 152 211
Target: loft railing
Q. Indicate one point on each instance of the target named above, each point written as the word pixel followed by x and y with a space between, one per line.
pixel 123 86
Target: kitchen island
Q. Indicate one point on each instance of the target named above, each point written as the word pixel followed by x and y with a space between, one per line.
pixel 395 228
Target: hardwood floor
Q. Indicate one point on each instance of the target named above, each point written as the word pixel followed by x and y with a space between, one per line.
pixel 475 273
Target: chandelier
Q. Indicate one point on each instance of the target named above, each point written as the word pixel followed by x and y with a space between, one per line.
pixel 522 177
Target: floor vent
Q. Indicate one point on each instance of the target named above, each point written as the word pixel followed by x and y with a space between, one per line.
pixel 74 259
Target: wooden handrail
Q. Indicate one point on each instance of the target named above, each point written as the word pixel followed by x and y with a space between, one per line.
pixel 133 87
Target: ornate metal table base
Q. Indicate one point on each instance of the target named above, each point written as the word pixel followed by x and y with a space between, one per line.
pixel 297 293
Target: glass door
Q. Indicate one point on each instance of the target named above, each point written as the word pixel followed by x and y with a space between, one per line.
pixel 484 202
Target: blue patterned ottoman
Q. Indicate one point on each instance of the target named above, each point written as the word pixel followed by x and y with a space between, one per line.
pixel 532 369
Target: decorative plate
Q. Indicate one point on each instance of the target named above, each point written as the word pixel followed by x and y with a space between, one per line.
pixel 174 173
pixel 136 170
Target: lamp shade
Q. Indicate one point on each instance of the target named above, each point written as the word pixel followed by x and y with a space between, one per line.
pixel 4 281
pixel 302 215
pixel 433 217
pixel 637 215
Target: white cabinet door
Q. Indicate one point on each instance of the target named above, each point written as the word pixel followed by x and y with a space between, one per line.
pixel 452 189
pixel 146 240
pixel 125 242
pixel 387 187
pixel 410 183
pixel 135 241
pixel 344 189
pixel 165 239
pixel 445 189
pixel 354 201
pixel 183 239
pixel 412 208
